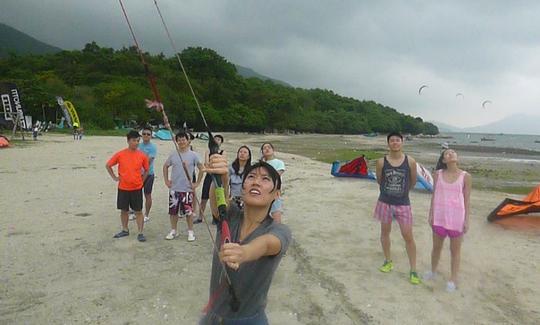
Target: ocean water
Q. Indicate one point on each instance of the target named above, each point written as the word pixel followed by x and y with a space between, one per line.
pixel 519 141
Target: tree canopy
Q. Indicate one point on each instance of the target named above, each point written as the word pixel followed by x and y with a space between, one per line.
pixel 107 85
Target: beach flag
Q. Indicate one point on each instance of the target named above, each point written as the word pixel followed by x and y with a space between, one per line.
pixel 12 108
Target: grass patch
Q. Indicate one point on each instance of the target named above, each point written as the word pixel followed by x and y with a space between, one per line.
pixel 326 149
pixel 347 154
pixel 95 132
pixel 19 143
pixel 513 189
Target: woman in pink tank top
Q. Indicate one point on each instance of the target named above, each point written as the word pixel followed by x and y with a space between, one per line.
pixel 449 212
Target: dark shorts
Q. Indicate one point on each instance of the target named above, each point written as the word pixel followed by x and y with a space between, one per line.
pixel 213 319
pixel 129 199
pixel 206 187
pixel 180 203
pixel 148 184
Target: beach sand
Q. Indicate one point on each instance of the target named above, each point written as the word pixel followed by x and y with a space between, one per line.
pixel 60 265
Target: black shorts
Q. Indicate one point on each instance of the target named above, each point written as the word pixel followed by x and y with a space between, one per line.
pixel 148 184
pixel 129 199
pixel 206 187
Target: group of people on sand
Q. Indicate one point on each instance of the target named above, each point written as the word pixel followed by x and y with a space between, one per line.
pixel 258 239
pixel 248 251
pixel 448 215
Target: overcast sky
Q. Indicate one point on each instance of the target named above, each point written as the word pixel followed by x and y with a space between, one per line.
pixel 373 50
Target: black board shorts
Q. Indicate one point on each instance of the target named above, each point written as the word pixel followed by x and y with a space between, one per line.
pixel 129 199
pixel 148 184
pixel 206 187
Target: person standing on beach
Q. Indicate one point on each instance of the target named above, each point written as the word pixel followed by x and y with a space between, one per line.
pixel 396 175
pixel 268 151
pixel 236 173
pixel 150 150
pixel 180 184
pixel 250 259
pixel 449 212
pixel 131 162
pixel 208 182
pixel 194 178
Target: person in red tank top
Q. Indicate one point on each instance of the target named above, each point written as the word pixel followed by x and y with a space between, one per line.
pixel 130 162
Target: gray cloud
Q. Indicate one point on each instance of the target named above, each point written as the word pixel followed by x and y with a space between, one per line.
pixel 368 50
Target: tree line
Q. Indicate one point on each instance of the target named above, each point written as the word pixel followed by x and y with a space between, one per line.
pixel 109 86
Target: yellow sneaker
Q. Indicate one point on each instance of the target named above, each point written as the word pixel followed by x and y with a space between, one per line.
pixel 414 278
pixel 387 267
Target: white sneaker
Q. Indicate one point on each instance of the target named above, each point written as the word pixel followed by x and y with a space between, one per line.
pixel 429 275
pixel 146 219
pixel 190 236
pixel 450 286
pixel 172 235
pixel 132 216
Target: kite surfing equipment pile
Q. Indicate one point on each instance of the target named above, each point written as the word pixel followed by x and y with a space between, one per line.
pixel 510 207
pixel 354 168
pixel 163 134
pixel 424 180
pixel 4 142
pixel 357 168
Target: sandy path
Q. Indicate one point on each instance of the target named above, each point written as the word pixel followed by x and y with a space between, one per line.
pixel 60 264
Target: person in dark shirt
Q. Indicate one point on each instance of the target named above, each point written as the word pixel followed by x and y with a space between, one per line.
pixel 396 175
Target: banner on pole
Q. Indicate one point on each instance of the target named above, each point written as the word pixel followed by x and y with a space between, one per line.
pixel 12 109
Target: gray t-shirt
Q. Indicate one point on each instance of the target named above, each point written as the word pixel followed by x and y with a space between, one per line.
pixel 179 182
pixel 235 182
pixel 252 280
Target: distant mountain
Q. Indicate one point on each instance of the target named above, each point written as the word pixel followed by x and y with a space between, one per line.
pixel 446 127
pixel 12 40
pixel 249 73
pixel 514 124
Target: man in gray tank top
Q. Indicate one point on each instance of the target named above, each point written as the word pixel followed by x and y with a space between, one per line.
pixel 396 175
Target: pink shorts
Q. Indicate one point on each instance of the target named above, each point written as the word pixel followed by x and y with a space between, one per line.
pixel 443 232
pixel 180 203
pixel 385 212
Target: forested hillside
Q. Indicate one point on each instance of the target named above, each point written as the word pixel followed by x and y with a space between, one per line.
pixel 108 85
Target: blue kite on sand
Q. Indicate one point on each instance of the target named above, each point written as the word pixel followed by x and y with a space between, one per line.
pixel 163 134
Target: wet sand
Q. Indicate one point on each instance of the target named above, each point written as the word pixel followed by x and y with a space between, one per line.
pixel 59 263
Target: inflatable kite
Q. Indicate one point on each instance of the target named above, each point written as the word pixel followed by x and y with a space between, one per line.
pixel 424 180
pixel 163 134
pixel 510 207
pixel 354 168
pixel 358 168
pixel 4 142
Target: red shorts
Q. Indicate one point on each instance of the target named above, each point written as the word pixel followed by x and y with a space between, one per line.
pixel 180 203
pixel 386 212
